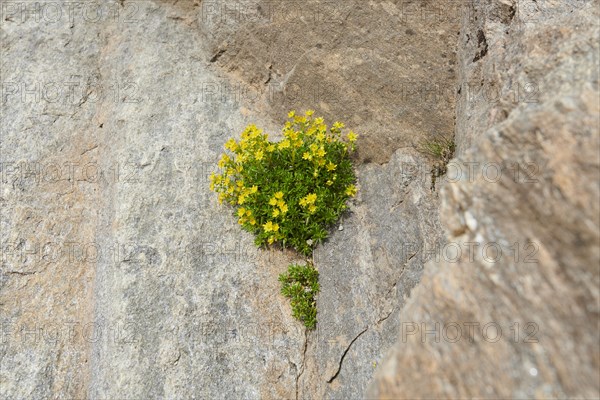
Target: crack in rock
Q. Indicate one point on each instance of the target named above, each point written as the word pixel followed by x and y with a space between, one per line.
pixel 303 362
pixel 344 355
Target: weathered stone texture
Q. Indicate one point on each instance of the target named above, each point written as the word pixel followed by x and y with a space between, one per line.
pixel 383 67
pixel 528 107
pixel 156 293
pixel 121 276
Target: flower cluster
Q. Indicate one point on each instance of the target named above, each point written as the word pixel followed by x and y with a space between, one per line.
pixel 288 191
pixel 309 201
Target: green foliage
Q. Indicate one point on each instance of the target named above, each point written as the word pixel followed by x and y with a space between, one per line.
pixel 440 150
pixel 288 192
pixel 301 284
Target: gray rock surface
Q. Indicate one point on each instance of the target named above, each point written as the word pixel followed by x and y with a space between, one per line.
pixel 168 298
pixel 366 273
pixel 528 108
pixel 121 276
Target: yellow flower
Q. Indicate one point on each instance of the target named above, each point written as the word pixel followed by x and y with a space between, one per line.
pixel 284 144
pixel 320 136
pixel 248 213
pixel 319 121
pixel 310 112
pixel 280 203
pixel 258 155
pixel 271 239
pixel 351 190
pixel 331 166
pixel 231 145
pixel 271 227
pixel 271 148
pixel 252 221
pixel 312 209
pixel 352 137
pixel 273 201
pixel 291 114
pixel 329 182
pixel 307 156
pixel 275 213
pixel 241 199
pixel 314 147
pixel 279 195
pixel 268 227
pixel 253 132
pixel 241 212
pixel 254 189
pixel 308 200
pixel 321 152
pixel 283 208
pixel 224 159
pixel 338 125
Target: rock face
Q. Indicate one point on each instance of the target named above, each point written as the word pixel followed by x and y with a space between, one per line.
pixel 526 185
pixel 371 64
pixel 121 276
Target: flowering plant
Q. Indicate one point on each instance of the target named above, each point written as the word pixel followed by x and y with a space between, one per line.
pixel 288 192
